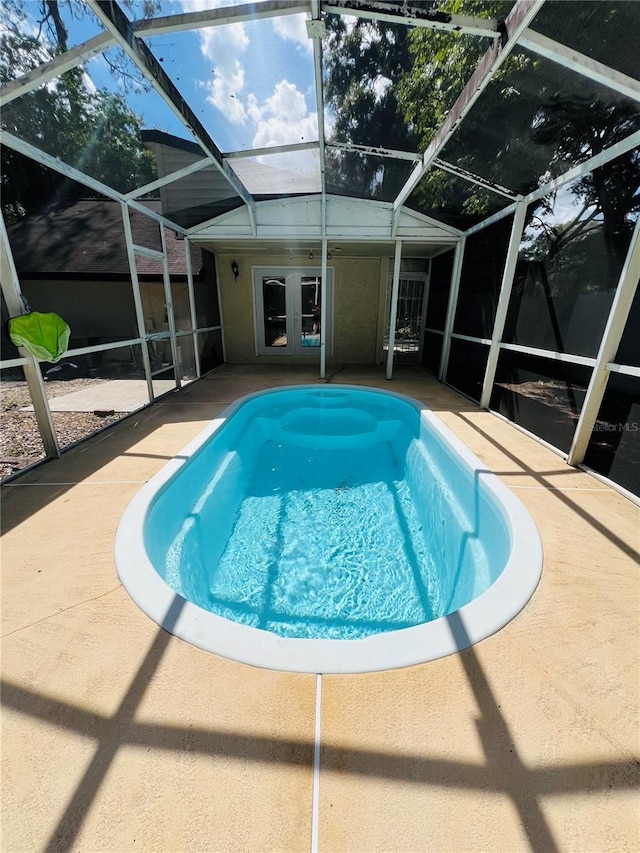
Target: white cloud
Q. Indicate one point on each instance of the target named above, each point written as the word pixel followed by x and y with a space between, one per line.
pixel 88 83
pixel 283 118
pixel 223 47
pixel 293 28
pixel 222 94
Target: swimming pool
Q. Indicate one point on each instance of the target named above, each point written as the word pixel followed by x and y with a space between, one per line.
pixel 328 529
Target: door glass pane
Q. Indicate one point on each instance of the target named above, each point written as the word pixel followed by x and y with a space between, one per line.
pixel 439 285
pixel 205 288
pixel 153 296
pixel 163 380
pixel 275 311
pixel 310 306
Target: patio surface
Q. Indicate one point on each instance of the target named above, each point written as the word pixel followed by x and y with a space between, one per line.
pixel 117 395
pixel 117 736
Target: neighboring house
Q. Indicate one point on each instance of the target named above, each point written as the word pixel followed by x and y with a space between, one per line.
pixel 77 249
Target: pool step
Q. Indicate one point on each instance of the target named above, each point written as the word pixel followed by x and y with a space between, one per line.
pixel 329 428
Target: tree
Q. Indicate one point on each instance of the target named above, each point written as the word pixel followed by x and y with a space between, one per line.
pixel 52 19
pixel 391 86
pixel 362 65
pixel 441 64
pixel 534 122
pixel 94 131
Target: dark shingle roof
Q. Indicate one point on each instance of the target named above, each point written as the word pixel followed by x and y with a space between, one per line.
pixel 86 238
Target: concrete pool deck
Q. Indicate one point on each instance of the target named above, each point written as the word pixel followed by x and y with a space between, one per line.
pixel 117 736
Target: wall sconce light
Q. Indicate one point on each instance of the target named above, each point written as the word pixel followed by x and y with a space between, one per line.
pixel 235 269
pixel 310 256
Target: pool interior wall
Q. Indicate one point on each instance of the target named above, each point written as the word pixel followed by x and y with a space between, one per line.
pixel 397 474
pixel 326 514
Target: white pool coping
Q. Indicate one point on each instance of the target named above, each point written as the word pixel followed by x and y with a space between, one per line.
pixel 479 619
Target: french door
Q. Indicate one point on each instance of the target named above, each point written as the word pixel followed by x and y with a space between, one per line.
pixel 288 304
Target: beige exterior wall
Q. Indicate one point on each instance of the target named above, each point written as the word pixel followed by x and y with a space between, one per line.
pixel 356 300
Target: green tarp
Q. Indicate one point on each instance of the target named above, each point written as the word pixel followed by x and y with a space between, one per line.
pixel 45 335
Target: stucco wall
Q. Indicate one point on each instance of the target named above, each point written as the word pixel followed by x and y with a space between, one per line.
pixel 356 297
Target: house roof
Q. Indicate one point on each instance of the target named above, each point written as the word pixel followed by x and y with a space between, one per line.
pixel 205 194
pixel 85 238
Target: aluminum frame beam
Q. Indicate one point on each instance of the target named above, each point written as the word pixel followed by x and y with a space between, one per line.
pixel 376 151
pixel 323 310
pixel 51 162
pixel 55 67
pixel 13 297
pixel 589 165
pixel 475 179
pixel 627 369
pixel 317 68
pixel 192 305
pixel 516 23
pixel 585 65
pixel 113 19
pixel 168 295
pixel 393 313
pixel 414 16
pixel 272 149
pixel 217 17
pixel 627 285
pixel 137 298
pixel 452 305
pixel 503 303
pixel 169 179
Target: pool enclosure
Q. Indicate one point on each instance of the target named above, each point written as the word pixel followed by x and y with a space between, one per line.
pixel 453 185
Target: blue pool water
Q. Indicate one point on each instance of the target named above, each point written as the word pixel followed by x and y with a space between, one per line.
pixel 326 513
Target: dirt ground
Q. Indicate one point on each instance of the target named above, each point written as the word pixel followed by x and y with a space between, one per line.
pixel 20 442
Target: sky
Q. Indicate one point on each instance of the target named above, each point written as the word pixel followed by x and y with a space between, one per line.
pixel 250 84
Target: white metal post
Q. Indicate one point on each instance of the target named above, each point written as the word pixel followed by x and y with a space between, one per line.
pixel 456 272
pixel 220 313
pixel 393 313
pixel 32 373
pixel 425 310
pixel 323 311
pixel 192 304
pixel 137 299
pixel 627 285
pixel 168 295
pixel 503 303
